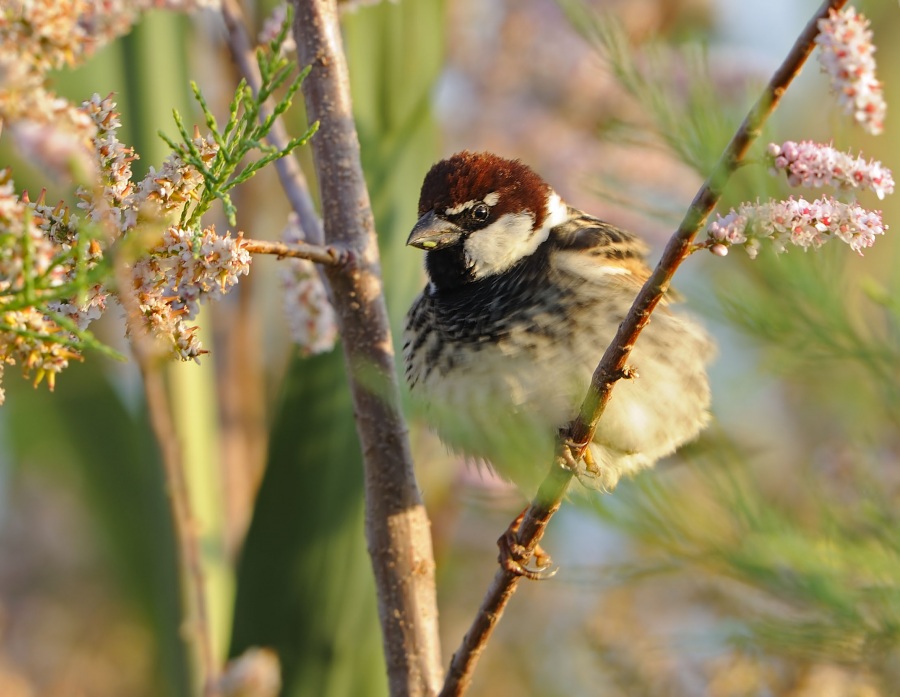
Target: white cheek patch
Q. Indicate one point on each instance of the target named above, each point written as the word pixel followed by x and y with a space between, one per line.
pixel 510 238
pixel 502 243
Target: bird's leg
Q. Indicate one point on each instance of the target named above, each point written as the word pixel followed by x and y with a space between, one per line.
pixel 514 556
pixel 590 464
pixel 568 461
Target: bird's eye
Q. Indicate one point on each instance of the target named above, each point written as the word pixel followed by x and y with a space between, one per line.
pixel 480 212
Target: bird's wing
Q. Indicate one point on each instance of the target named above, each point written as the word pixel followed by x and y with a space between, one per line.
pixel 595 249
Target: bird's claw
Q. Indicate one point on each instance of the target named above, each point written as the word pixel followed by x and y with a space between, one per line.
pixel 569 460
pixel 514 556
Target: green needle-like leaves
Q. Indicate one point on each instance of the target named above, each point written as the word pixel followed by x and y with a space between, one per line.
pixel 242 134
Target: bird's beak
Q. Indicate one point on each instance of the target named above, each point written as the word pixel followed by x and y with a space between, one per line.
pixel 432 233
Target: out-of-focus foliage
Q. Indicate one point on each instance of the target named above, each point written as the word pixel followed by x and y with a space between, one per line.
pixel 672 83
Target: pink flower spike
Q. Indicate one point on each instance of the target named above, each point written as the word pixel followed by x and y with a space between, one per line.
pixel 847 56
pixel 801 223
pixel 812 164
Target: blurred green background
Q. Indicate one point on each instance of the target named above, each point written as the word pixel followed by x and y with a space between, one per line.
pixel 764 560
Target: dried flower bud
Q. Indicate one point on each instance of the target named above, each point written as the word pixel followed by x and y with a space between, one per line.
pixel 255 673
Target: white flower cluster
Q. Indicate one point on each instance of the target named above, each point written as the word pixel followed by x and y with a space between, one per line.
pixel 797 222
pixel 179 272
pixel 174 185
pixel 310 316
pixel 37 36
pixel 185 267
pixel 59 229
pixel 812 164
pixel 44 247
pixel 109 201
pixel 27 337
pixel 847 55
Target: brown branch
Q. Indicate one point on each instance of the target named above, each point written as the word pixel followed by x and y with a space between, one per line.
pixel 611 366
pixel 197 629
pixel 330 256
pixel 397 528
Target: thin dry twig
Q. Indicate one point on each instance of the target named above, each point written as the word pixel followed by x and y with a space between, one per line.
pixel 611 367
pixel 197 630
pixel 320 254
pixel 397 528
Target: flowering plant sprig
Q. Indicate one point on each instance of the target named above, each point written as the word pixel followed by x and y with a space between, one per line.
pixel 56 265
pixel 802 223
pixel 811 164
pixel 47 283
pixel 846 52
pixel 218 162
pixel 847 55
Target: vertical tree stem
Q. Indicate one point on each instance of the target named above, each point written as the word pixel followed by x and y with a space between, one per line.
pixel 397 528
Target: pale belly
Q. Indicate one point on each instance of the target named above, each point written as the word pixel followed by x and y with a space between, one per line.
pixel 503 403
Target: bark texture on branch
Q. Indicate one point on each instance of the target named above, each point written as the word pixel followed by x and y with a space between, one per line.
pixel 397 529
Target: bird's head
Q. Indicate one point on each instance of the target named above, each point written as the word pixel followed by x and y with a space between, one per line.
pixel 479 215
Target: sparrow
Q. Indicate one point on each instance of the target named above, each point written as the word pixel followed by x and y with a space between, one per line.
pixel 523 295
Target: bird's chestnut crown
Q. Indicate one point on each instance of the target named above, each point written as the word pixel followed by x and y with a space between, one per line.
pixel 475 189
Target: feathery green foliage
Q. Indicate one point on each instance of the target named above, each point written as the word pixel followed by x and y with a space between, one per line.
pixel 243 133
pixel 672 84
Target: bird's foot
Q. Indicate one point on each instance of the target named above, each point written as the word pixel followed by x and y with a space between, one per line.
pixel 585 468
pixel 591 468
pixel 514 556
pixel 573 464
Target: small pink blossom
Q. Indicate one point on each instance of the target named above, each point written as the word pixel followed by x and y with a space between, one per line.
pixel 847 55
pixel 255 672
pixel 798 222
pixel 813 164
pixel 176 182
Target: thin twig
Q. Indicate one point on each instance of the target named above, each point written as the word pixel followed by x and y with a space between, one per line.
pixel 330 256
pixel 397 529
pixel 610 368
pixel 197 631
